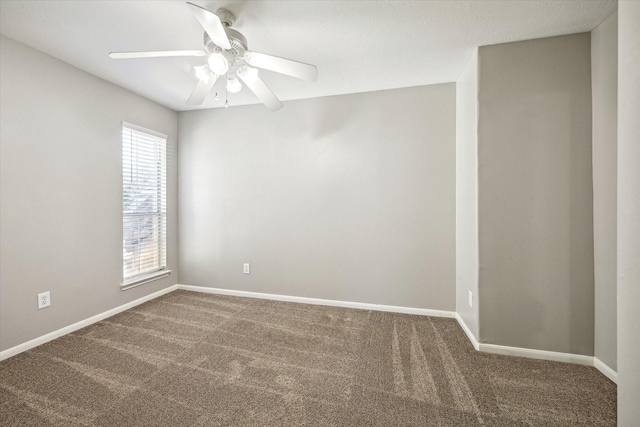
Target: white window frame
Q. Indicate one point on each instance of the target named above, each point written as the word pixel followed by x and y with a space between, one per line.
pixel 159 208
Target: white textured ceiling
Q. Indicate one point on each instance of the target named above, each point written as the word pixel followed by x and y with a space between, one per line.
pixel 358 46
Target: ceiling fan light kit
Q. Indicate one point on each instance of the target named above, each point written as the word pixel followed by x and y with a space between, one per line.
pixel 228 56
pixel 248 73
pixel 233 85
pixel 203 73
pixel 218 63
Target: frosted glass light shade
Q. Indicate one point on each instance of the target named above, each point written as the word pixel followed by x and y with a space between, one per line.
pixel 202 73
pixel 247 73
pixel 234 85
pixel 218 63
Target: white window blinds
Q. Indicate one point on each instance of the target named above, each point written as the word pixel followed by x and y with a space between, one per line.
pixel 144 213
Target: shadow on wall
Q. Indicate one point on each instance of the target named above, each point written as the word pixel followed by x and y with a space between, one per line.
pixel 534 246
pixel 329 118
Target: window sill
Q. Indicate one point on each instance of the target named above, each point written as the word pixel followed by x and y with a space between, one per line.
pixel 145 279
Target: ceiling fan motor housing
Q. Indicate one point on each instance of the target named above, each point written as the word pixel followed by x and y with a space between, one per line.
pixel 235 54
pixel 238 43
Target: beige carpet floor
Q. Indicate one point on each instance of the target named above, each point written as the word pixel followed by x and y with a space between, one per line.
pixel 192 359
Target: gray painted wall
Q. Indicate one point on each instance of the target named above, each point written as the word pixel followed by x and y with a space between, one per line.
pixel 348 198
pixel 535 195
pixel 467 194
pixel 61 192
pixel 628 213
pixel 604 86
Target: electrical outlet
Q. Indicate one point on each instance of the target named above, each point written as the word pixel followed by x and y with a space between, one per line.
pixel 470 299
pixel 44 300
pixel 247 268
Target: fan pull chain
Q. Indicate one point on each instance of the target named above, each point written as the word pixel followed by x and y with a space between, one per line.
pixel 226 97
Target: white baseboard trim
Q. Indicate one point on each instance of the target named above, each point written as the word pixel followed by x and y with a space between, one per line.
pixel 486 348
pixel 318 301
pixel 605 369
pixel 81 324
pixel 467 331
pixel 577 359
pixel 554 356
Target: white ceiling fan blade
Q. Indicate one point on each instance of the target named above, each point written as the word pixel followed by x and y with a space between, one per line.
pixel 212 25
pixel 201 90
pixel 263 93
pixel 156 54
pixel 288 67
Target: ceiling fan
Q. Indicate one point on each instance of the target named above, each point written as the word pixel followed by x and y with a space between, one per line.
pixel 229 57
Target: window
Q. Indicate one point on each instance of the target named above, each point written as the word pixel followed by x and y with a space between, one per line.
pixel 144 207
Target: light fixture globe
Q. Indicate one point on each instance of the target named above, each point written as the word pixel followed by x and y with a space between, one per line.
pixel 218 63
pixel 234 85
pixel 202 73
pixel 247 73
